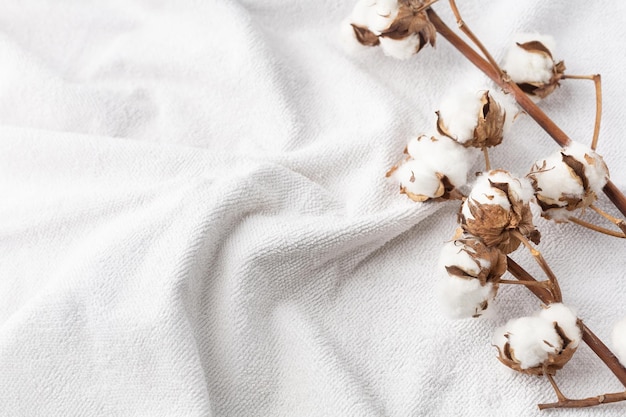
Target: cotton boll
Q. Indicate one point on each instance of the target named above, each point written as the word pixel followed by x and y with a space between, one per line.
pixel 462 298
pixel 530 64
pixel 619 341
pixel 528 67
pixel 566 319
pixel 471 272
pixel 542 343
pixel 474 119
pixel 552 179
pixel 568 180
pixel 400 48
pixel 531 340
pixel 391 24
pixel 497 210
pixel 596 170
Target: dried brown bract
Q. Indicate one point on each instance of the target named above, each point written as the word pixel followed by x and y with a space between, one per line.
pixel 409 22
pixel 497 208
pixel 490 263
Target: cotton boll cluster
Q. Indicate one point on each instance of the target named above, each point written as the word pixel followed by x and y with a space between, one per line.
pixel 497 207
pixel 397 26
pixel 567 181
pixel 475 118
pixel 619 341
pixel 541 343
pixel 434 168
pixel 472 272
pixel 530 64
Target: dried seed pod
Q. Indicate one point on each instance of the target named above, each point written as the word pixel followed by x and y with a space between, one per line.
pixel 475 119
pixel 530 64
pixel 434 168
pixel 498 205
pixel 568 180
pixel 619 341
pixel 472 272
pixel 396 25
pixel 541 343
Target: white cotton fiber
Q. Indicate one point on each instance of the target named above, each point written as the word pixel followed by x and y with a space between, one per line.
pixel 567 320
pixel 529 67
pixel 459 112
pixel 418 178
pixel 531 339
pixel 596 170
pixel 381 14
pixel 443 155
pixel 553 179
pixel 462 298
pixel 619 341
pixel 400 48
pixel 454 253
pixel 510 107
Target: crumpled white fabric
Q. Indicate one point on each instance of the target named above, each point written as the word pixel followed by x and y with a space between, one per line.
pixel 195 220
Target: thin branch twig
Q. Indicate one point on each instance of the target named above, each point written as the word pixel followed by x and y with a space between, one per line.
pixel 473 38
pixel 487 162
pixel 618 222
pixel 556 289
pixel 595 228
pixel 586 402
pixel 597 81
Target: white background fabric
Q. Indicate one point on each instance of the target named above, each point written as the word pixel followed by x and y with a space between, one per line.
pixel 195 220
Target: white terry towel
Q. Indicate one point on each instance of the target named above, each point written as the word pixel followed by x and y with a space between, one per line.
pixel 195 219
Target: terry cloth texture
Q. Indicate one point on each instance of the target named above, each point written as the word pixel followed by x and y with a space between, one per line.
pixel 195 219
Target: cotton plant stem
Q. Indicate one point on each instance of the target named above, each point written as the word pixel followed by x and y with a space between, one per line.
pixel 618 222
pixel 556 289
pixel 470 34
pixel 487 163
pixel 595 228
pixel 596 345
pixel 425 6
pixel 597 82
pixel 613 193
pixel 586 402
pixel 542 284
pixel 555 387
pixel 564 402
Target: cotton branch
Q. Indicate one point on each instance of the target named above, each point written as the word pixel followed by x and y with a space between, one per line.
pixel 612 192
